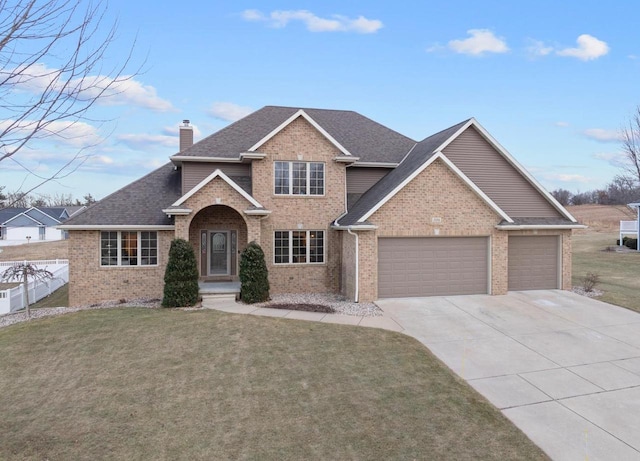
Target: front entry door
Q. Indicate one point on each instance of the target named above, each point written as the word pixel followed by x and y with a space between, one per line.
pixel 219 253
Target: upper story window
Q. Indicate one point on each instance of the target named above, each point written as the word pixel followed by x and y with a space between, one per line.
pixel 127 248
pixel 299 178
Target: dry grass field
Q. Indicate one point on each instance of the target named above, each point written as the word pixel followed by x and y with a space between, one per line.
pixel 618 271
pixel 58 249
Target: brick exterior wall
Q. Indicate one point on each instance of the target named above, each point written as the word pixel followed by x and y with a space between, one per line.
pixel 438 192
pixel 89 282
pixel 300 141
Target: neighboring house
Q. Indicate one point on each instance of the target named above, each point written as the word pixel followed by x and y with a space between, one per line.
pixel 22 225
pixel 339 203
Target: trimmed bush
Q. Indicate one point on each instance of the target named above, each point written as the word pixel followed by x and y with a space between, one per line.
pixel 631 243
pixel 254 276
pixel 181 276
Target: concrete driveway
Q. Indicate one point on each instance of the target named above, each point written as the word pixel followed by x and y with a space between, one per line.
pixel 564 368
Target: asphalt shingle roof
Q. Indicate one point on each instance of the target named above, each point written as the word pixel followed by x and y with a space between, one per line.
pixel 139 203
pixel 420 154
pixel 361 136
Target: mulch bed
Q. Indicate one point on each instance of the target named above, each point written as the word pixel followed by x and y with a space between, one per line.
pixel 303 307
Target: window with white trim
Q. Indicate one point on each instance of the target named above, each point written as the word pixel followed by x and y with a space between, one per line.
pixel 128 248
pixel 298 247
pixel 299 178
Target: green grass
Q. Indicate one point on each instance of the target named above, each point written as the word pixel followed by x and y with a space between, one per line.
pixel 618 271
pixel 138 383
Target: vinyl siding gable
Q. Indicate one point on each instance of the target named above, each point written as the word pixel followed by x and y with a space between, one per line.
pixel 497 178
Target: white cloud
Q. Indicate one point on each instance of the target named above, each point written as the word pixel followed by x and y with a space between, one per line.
pixel 70 133
pixel 481 41
pixel 144 141
pixel 537 48
pixel 599 134
pixel 336 23
pixel 588 48
pixel 561 177
pixel 616 159
pixel 561 124
pixel 125 91
pixel 228 111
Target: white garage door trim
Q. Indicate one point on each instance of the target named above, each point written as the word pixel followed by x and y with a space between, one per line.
pixel 427 283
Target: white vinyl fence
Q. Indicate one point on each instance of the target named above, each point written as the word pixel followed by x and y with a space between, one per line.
pixel 12 300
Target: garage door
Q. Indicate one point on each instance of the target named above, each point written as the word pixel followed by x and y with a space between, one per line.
pixel 432 266
pixel 533 262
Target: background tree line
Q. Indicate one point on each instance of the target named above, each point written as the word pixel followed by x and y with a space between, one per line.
pixel 21 200
pixel 625 187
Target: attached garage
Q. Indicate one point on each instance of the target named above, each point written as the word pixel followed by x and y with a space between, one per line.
pixel 432 266
pixel 534 262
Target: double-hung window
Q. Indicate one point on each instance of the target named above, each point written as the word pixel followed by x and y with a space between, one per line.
pixel 299 178
pixel 299 247
pixel 128 248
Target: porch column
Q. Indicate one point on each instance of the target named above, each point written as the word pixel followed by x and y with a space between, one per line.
pixel 182 227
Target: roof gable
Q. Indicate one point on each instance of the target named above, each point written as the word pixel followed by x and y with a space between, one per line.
pixel 287 122
pixel 439 145
pixel 217 174
pixel 352 133
pixel 23 220
pixel 419 170
pixel 499 175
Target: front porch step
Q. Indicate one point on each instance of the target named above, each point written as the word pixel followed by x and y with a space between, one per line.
pixel 211 300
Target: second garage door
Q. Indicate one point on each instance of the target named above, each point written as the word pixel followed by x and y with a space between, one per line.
pixel 432 266
pixel 533 262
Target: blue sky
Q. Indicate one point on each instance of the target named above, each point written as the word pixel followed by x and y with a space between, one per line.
pixel 552 81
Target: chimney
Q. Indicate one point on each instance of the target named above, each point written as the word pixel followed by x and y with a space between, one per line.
pixel 186 135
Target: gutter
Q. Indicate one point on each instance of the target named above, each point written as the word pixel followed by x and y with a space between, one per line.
pixel 357 290
pixel 540 226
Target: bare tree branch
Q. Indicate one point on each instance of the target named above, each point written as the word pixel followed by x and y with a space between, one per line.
pixel 52 55
pixel 631 146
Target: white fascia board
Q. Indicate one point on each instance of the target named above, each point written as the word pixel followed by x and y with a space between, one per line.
pixel 175 159
pixel 514 163
pixel 345 159
pixel 452 167
pixel 303 114
pixel 131 227
pixel 177 211
pixel 355 227
pixel 540 226
pixel 225 178
pixel 252 156
pixel 637 205
pixel 375 164
pixel 257 212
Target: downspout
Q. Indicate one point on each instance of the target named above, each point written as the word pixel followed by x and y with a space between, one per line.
pixel 357 291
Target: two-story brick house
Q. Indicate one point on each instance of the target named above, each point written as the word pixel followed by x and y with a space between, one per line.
pixel 339 203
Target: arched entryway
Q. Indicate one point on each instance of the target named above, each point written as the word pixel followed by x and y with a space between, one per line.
pixel 218 234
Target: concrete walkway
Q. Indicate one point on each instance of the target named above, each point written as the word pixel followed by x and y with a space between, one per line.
pixel 564 368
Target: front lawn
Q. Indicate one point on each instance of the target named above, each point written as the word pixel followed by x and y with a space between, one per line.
pixel 618 271
pixel 139 383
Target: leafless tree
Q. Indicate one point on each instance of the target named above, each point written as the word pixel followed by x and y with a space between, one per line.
pixel 41 99
pixel 631 146
pixel 23 272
